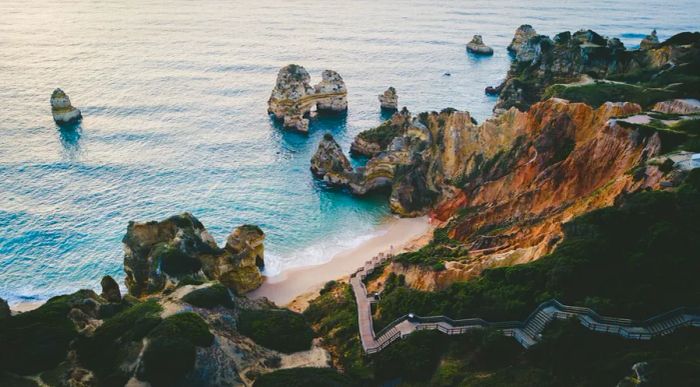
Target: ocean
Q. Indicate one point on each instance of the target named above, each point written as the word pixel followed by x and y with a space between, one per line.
pixel 174 93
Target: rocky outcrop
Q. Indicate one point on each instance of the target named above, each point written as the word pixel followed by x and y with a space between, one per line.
pixel 541 62
pixel 238 267
pixel 293 98
pixel 62 110
pixel 329 163
pixel 373 141
pixel 477 46
pixel 4 309
pixel 389 100
pixel 649 41
pixel 521 37
pixel 159 254
pixel 678 106
pixel 110 289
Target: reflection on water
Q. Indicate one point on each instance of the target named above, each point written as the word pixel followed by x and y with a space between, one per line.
pixel 69 135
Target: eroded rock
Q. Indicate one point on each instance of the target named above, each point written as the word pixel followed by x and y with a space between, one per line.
pixel 521 36
pixel 293 98
pixel 678 106
pixel 329 162
pixel 4 309
pixel 110 289
pixel 649 41
pixel 477 46
pixel 62 110
pixel 389 100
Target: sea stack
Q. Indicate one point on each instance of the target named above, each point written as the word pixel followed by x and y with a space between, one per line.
pixel 4 309
pixel 389 100
pixel 649 41
pixel 110 289
pixel 62 110
pixel 522 35
pixel 477 46
pixel 293 98
pixel 329 162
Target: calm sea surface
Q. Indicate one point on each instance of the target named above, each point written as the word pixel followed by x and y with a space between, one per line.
pixel 174 98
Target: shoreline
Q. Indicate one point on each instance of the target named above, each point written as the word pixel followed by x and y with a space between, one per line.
pixel 294 288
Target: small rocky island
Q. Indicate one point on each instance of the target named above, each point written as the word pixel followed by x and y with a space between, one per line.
pixel 62 110
pixel 293 98
pixel 477 46
pixel 389 100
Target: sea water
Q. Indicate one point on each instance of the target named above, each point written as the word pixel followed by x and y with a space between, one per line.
pixel 173 95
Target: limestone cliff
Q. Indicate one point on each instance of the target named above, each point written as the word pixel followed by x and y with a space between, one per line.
pixel 329 163
pixel 389 100
pixel 293 98
pixel 158 254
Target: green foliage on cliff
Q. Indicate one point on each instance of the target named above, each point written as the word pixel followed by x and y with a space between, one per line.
pixel 209 297
pixel 334 316
pixel 441 248
pixel 278 329
pixel 382 134
pixel 171 351
pixel 303 377
pixel 647 246
pixel 597 94
pixel 36 340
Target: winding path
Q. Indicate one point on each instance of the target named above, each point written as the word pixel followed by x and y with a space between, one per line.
pixel 527 332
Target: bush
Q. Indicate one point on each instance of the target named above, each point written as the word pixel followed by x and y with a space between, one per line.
pixel 187 325
pixel 278 329
pixel 167 359
pixel 303 377
pixel 209 297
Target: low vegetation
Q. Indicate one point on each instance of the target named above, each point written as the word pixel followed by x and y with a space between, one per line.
pixel 278 329
pixel 209 297
pixel 382 134
pixel 304 377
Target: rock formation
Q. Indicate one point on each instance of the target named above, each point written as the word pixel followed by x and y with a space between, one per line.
pixel 541 62
pixel 521 37
pixel 4 309
pixel 329 163
pixel 389 100
pixel 370 142
pixel 678 106
pixel 649 41
pixel 158 254
pixel 62 110
pixel 477 46
pixel 238 267
pixel 110 289
pixel 293 98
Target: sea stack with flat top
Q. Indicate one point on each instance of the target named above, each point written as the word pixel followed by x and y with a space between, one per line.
pixel 477 46
pixel 62 110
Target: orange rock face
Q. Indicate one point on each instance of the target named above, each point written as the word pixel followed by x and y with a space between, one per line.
pixel 566 159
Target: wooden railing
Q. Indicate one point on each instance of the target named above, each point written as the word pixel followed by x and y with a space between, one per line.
pixel 526 332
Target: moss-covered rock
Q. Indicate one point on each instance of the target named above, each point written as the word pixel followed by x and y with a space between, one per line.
pixel 209 297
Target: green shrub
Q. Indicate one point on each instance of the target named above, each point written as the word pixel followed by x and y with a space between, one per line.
pixel 414 358
pixel 187 325
pixel 167 359
pixel 303 377
pixel 36 340
pixel 382 134
pixel 209 297
pixel 597 94
pixel 278 329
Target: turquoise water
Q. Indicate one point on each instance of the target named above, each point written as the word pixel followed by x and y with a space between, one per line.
pixel 174 98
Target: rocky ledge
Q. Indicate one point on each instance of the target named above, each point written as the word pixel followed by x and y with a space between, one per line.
pixel 293 98
pixel 477 46
pixel 389 100
pixel 158 255
pixel 62 110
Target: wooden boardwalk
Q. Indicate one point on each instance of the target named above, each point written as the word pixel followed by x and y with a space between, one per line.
pixel 527 332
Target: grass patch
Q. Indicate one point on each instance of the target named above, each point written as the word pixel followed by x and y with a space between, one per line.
pixel 278 329
pixel 597 94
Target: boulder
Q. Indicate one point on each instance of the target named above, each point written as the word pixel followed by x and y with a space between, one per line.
pixel 293 98
pixel 62 110
pixel 110 289
pixel 649 41
pixel 678 106
pixel 239 265
pixel 4 309
pixel 477 46
pixel 389 100
pixel 329 162
pixel 521 36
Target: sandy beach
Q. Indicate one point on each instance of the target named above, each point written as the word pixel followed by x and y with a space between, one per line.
pixel 295 287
